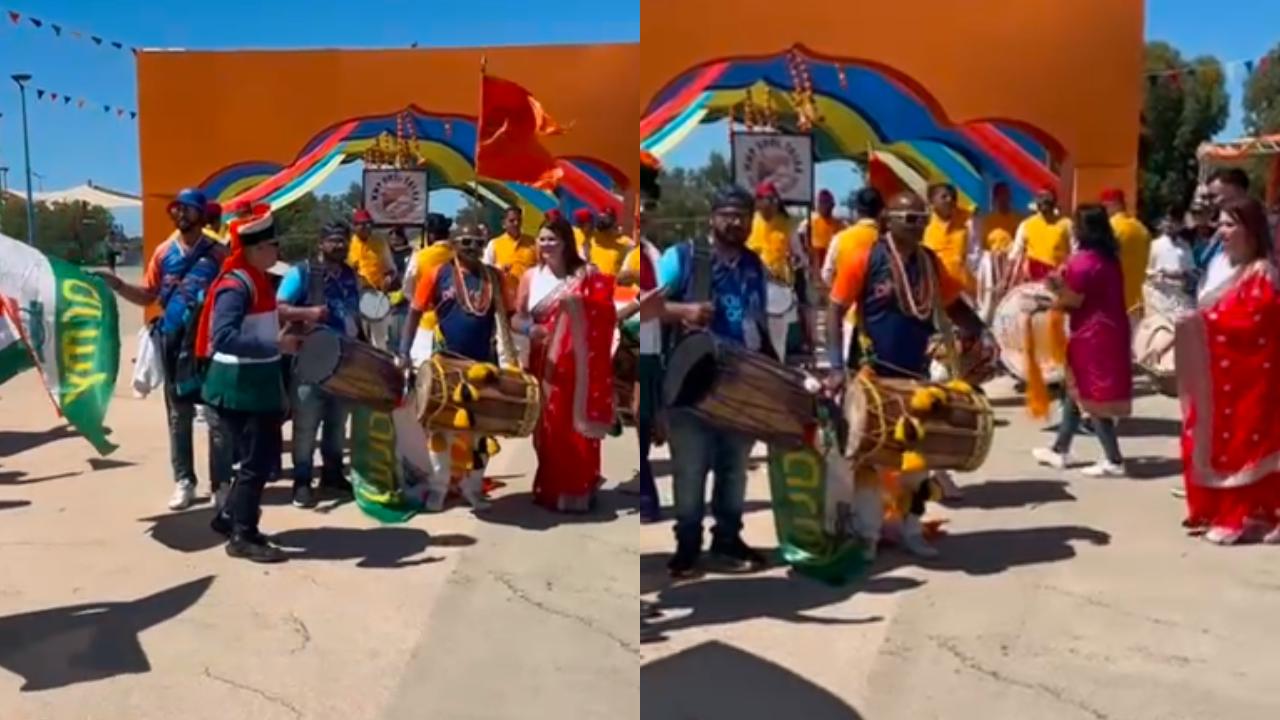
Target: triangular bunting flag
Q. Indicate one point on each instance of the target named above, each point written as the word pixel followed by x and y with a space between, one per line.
pixel 53 97
pixel 133 50
pixel 66 99
pixel 133 114
pixel 15 17
pixel 117 45
pixel 57 29
pixel 119 112
pixel 80 104
pixel 106 108
pixel 35 21
pixel 1248 67
pixel 96 40
pixel 39 94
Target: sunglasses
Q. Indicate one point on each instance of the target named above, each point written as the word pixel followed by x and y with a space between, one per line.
pixel 909 217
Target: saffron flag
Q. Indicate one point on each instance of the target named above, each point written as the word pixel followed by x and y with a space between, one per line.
pixel 15 356
pixel 69 321
pixel 508 145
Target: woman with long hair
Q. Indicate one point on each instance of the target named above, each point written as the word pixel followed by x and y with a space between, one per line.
pixel 565 307
pixel 1090 290
pixel 1228 353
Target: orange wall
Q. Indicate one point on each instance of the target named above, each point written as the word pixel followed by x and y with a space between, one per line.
pixel 201 111
pixel 1069 67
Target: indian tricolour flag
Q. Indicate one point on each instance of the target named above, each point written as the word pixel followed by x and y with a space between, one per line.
pixel 63 322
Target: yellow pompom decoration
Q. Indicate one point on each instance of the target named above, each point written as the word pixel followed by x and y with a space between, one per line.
pixel 960 386
pixel 900 430
pixel 438 442
pixel 938 393
pixel 908 431
pixel 464 393
pixel 482 373
pixel 922 400
pixel 913 462
pixel 430 321
pixel 462 420
pixel 491 447
pixel 396 297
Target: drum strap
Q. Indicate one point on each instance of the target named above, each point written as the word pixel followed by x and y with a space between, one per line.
pixel 315 284
pixel 506 348
pixel 700 287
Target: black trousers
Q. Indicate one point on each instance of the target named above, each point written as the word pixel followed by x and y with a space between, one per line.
pixel 257 445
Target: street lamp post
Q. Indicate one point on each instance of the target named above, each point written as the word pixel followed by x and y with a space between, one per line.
pixel 21 79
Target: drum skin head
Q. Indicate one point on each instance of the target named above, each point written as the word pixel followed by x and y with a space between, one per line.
pixel 318 357
pixel 374 305
pixel 691 371
pixel 855 411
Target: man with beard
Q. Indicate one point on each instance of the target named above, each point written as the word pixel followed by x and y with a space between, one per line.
pixel 323 292
pixel 463 296
pixel 176 278
pixel 1043 240
pixel 606 247
pixel 896 284
pixel 732 307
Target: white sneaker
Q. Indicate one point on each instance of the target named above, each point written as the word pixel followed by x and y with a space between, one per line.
pixel 202 414
pixel 1104 469
pixel 1049 457
pixel 1180 493
pixel 1223 536
pixel 1272 537
pixel 184 494
pixel 913 538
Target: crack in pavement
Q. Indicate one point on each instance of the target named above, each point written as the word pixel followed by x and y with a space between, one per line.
pixel 1095 602
pixel 260 693
pixel 520 594
pixel 972 664
pixel 303 631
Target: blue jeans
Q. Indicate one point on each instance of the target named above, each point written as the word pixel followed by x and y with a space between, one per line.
pixel 312 408
pixel 696 451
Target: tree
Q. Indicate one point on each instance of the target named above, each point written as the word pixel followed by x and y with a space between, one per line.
pixel 1262 96
pixel 74 231
pixel 1186 104
pixel 686 199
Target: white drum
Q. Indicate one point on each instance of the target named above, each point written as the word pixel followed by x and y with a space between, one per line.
pixel 780 300
pixel 374 305
pixel 994 273
pixel 1008 325
pixel 1168 298
pixel 1153 343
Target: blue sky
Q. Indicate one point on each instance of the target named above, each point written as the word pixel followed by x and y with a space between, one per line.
pixel 69 146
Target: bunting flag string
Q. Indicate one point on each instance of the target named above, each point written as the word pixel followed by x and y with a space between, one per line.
pixel 67 99
pixel 16 19
pixel 1229 69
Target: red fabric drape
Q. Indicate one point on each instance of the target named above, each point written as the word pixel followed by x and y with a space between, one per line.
pixel 507 140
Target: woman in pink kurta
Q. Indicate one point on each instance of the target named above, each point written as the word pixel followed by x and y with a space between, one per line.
pixel 1090 288
pixel 1228 354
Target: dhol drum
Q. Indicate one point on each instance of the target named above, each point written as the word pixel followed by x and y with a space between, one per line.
pixel 626 372
pixel 375 305
pixel 737 390
pixel 979 359
pixel 1009 326
pixel 349 369
pixel 951 427
pixel 1153 343
pixel 459 394
pixel 780 299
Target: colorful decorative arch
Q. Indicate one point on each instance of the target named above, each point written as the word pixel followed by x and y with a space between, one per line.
pixel 862 106
pixel 446 142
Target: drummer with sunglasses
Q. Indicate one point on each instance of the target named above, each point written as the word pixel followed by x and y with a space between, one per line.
pixel 896 284
pixel 461 298
pixel 323 292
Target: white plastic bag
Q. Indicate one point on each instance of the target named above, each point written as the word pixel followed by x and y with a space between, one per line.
pixel 148 372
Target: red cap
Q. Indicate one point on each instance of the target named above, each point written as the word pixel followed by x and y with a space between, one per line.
pixel 213 211
pixel 766 189
pixel 361 216
pixel 582 215
pixel 1047 189
pixel 553 215
pixel 1113 195
pixel 241 207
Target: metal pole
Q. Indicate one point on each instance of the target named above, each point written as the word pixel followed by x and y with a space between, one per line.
pixel 21 80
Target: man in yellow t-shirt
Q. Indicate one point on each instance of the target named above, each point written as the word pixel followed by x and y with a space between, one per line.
pixel 512 252
pixel 773 239
pixel 1044 239
pixel 370 256
pixel 606 246
pixel 583 222
pixel 1134 242
pixel 1001 224
pixel 821 229
pixel 951 235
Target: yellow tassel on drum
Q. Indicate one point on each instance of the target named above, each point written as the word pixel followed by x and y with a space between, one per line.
pixel 900 431
pixel 960 386
pixel 482 373
pixel 908 431
pixel 913 462
pixel 491 447
pixel 462 420
pixel 430 321
pixel 922 401
pixel 439 443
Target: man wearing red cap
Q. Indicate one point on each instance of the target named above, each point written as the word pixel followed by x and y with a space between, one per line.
pixel 1135 248
pixel 371 258
pixel 583 222
pixel 1043 241
pixel 773 239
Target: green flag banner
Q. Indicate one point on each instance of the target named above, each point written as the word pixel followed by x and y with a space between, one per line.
pixel 15 355
pixel 376 473
pixel 798 484
pixel 70 323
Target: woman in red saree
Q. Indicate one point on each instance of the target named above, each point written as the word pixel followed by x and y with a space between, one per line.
pixel 566 308
pixel 1228 355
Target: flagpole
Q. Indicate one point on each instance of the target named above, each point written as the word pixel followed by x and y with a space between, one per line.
pixel 475 166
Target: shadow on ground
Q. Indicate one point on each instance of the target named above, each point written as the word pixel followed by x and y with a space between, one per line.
pixel 519 510
pixel 16 442
pixel 17 477
pixel 717 600
pixel 1003 494
pixel 715 681
pixel 82 643
pixel 1153 467
pixel 12 504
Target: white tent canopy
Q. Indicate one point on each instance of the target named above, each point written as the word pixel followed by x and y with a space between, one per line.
pixel 89 193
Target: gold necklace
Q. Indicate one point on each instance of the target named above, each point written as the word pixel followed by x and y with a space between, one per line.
pixel 916 303
pixel 473 304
